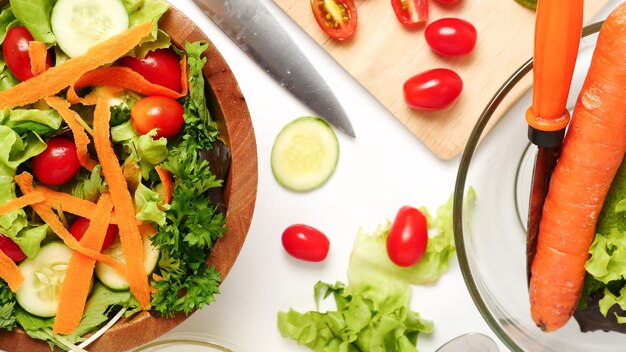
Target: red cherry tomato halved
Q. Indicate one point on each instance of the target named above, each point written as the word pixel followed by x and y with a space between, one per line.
pixel 164 114
pixel 411 13
pixel 408 237
pixel 80 225
pixel 15 52
pixel 161 66
pixel 433 90
pixel 58 163
pixel 11 249
pixel 338 18
pixel 305 243
pixel 451 36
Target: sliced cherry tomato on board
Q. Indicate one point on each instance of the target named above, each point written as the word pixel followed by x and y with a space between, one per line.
pixel 433 89
pixel 305 242
pixel 338 18
pixel 164 114
pixel 408 237
pixel 11 249
pixel 58 163
pixel 15 52
pixel 80 225
pixel 161 66
pixel 451 36
pixel 411 13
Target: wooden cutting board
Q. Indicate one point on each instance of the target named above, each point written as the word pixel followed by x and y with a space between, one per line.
pixel 382 55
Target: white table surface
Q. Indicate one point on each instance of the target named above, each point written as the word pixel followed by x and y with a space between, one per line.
pixel 384 168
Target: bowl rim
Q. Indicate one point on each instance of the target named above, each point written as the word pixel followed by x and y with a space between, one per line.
pixel 460 184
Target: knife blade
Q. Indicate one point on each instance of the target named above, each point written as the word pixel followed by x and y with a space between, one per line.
pixel 558 29
pixel 255 30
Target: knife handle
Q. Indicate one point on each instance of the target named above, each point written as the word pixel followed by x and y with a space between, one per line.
pixel 558 29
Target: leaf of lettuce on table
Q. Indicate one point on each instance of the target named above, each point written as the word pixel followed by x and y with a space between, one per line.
pixel 373 312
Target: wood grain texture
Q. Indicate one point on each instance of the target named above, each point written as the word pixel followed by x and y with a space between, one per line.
pixel 228 107
pixel 382 55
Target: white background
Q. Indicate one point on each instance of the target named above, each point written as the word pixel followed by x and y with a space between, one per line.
pixel 384 168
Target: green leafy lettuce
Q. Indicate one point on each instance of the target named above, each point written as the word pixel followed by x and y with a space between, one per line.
pixel 7 307
pixel 149 205
pixel 35 16
pixel 193 223
pixel 42 122
pixel 373 312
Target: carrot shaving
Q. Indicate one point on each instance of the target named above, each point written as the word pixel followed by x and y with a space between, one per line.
pixel 38 53
pixel 21 202
pixel 77 282
pixel 80 137
pixel 130 237
pixel 117 76
pixel 25 182
pixel 56 78
pixel 10 272
pixel 184 82
pixel 166 180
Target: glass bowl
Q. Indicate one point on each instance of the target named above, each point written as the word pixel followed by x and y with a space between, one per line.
pixel 189 342
pixel 490 233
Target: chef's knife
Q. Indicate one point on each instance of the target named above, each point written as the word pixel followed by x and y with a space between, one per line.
pixel 255 30
pixel 558 29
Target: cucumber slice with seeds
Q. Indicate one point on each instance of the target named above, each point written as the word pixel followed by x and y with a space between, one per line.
pixel 43 276
pixel 305 154
pixel 80 24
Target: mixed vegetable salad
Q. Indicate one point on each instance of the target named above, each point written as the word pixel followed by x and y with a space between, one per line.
pixel 104 178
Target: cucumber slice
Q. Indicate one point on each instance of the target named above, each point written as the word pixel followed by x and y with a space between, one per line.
pixel 43 276
pixel 111 278
pixel 305 154
pixel 80 24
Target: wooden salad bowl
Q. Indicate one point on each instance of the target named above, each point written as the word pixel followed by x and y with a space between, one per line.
pixel 229 109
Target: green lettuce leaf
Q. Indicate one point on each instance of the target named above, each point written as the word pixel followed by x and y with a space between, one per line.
pixel 370 253
pixel 7 20
pixel 7 79
pixel 141 11
pixel 89 185
pixel 29 239
pixel 149 205
pixel 7 307
pixel 42 122
pixel 35 16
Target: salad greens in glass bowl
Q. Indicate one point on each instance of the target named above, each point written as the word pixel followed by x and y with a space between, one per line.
pixel 491 235
pixel 128 172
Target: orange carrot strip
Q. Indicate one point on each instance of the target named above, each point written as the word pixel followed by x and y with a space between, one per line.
pixel 10 272
pixel 56 78
pixel 80 137
pixel 130 237
pixel 25 182
pixel 118 76
pixel 592 152
pixel 184 81
pixel 21 202
pixel 38 53
pixel 77 282
pixel 166 180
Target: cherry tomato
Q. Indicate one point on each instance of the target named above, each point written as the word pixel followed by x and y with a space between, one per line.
pixel 408 237
pixel 11 249
pixel 164 114
pixel 15 52
pixel 411 13
pixel 161 66
pixel 58 163
pixel 305 243
pixel 451 36
pixel 338 18
pixel 433 90
pixel 80 225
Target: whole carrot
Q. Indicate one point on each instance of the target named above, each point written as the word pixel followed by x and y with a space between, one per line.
pixel 592 152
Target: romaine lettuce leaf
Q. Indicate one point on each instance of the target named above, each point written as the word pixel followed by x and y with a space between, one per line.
pixel 42 122
pixel 141 11
pixel 7 79
pixel 7 20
